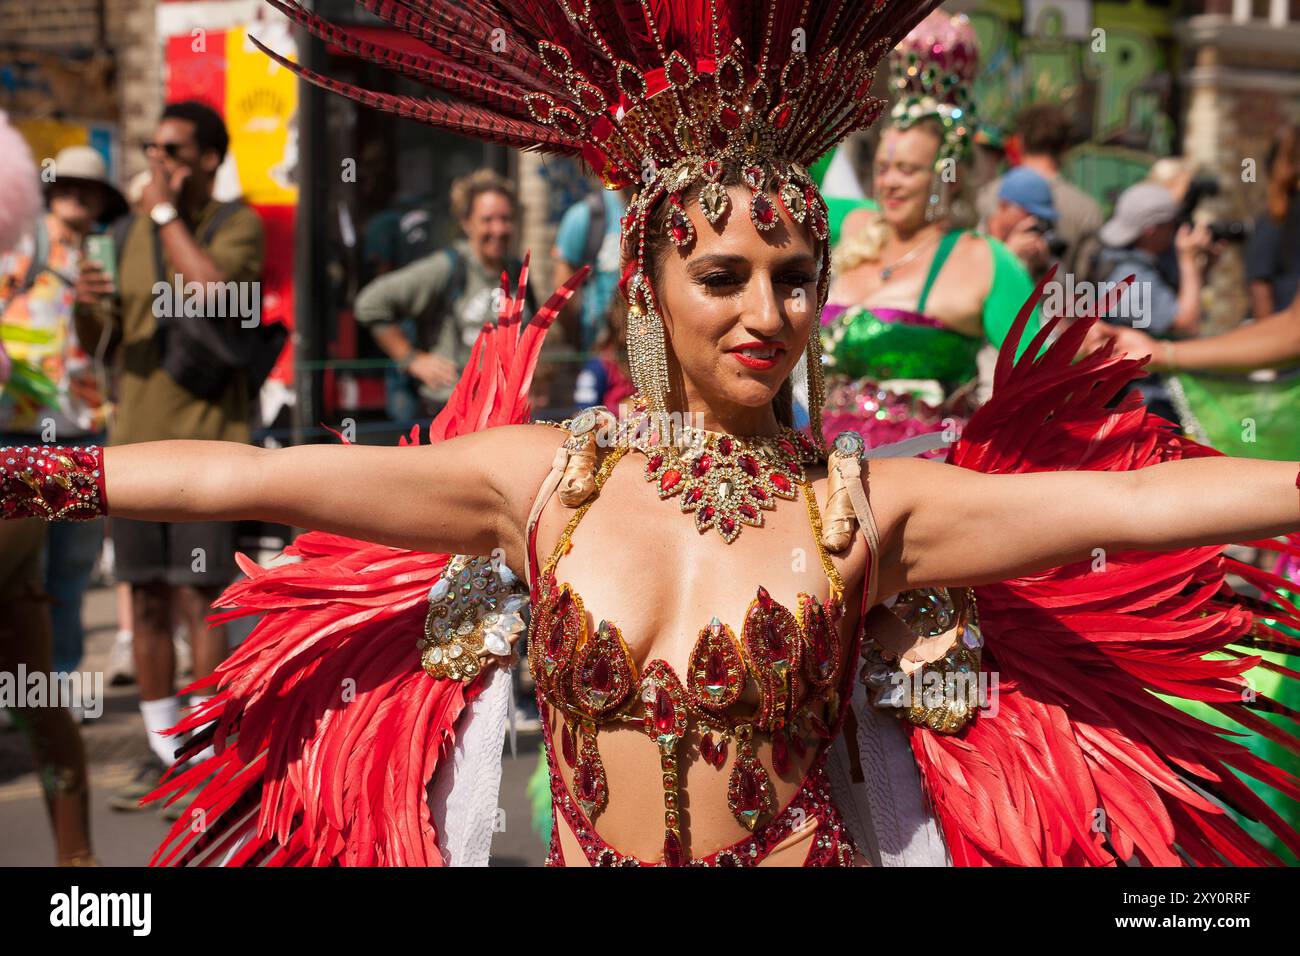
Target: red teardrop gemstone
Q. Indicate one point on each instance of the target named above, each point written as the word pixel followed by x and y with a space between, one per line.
pixel 679 227
pixel 729 118
pixel 727 525
pixel 724 445
pixel 706 748
pixel 665 712
pixel 707 512
pixel 780 755
pixel 782 116
pixel 670 479
pixel 748 464
pixel 672 849
pixel 701 465
pixel 775 642
pixel 749 791
pixel 566 745
pixel 781 481
pixel 720 753
pixel 555 640
pixel 654 462
pixel 694 494
pixel 586 781
pixel 715 670
pixel 748 510
pixel 764 598
pixel 758 493
pixel 764 211
pixel 602 676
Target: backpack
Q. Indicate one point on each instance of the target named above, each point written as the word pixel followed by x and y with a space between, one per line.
pixel 200 354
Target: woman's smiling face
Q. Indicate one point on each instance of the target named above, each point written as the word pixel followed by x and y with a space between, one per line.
pixel 738 304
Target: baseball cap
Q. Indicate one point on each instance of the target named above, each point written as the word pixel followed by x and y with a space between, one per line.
pixel 1030 191
pixel 1139 206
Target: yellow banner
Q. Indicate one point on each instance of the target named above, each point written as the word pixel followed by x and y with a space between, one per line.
pixel 261 106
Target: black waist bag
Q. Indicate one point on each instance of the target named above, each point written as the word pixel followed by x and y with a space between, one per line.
pixel 203 353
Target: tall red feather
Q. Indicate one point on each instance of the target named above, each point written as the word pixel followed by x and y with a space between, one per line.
pixel 1083 765
pixel 326 728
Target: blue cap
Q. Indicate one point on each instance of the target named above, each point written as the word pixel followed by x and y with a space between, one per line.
pixel 1030 191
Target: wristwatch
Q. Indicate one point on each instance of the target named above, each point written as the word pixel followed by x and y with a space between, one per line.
pixel 163 213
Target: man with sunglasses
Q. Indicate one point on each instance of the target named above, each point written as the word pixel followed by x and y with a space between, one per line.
pixel 172 569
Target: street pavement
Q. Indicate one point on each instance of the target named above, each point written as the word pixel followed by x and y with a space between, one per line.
pixel 115 742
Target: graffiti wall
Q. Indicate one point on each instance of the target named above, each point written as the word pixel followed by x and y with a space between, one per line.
pixel 1111 63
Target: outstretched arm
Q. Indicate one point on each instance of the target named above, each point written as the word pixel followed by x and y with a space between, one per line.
pixel 946 526
pixel 466 495
pixel 1268 343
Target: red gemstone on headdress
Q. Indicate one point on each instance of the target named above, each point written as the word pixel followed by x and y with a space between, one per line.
pixel 795 71
pixel 679 226
pixel 706 513
pixel 720 753
pixel 782 115
pixel 566 120
pixel 748 510
pixel 712 169
pixel 665 713
pixel 591 99
pixel 670 479
pixel 758 492
pixel 764 598
pixel 706 748
pixel 718 137
pixel 764 211
pixel 672 849
pixel 655 461
pixel 729 118
pixel 679 74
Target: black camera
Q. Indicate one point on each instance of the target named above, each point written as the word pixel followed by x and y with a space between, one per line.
pixel 1200 189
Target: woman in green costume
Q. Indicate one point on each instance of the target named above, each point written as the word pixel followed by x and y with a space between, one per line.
pixel 917 293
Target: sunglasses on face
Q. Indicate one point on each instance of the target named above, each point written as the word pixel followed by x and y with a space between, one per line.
pixel 173 150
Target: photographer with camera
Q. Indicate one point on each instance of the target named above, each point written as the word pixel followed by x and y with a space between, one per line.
pixel 1144 228
pixel 1025 220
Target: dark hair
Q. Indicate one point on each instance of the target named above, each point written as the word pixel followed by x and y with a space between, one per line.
pixel 209 128
pixel 657 245
pixel 1045 128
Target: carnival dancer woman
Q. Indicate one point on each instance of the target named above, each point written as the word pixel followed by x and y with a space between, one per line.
pixel 917 292
pixel 695 678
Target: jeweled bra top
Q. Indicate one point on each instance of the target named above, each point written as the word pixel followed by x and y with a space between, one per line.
pixel 792 659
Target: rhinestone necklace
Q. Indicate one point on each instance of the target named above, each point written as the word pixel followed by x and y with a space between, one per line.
pixel 727 481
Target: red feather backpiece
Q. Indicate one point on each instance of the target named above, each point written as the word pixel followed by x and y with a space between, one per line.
pixel 326 728
pixel 1083 764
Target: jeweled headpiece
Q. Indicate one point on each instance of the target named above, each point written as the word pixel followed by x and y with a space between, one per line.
pixel 654 93
pixel 931 72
